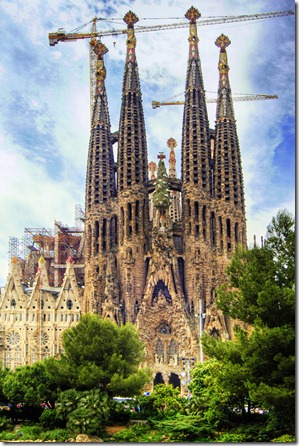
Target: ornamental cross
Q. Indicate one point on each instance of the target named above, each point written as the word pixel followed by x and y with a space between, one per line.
pixel 161 156
pixel 100 49
pixel 222 41
pixel 130 19
pixel 192 14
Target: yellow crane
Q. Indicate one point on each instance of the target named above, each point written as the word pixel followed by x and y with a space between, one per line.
pixel 62 36
pixel 244 97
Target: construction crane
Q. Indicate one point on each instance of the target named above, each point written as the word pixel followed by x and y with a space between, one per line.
pixel 245 97
pixel 62 36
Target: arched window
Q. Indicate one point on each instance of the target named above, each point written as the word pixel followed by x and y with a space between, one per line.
pixel 173 348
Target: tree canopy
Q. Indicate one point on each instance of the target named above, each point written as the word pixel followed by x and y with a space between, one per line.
pixel 257 368
pixel 100 354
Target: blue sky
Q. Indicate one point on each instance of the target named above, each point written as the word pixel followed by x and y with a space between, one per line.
pixel 44 113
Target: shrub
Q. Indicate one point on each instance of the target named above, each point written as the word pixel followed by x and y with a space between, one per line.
pixel 134 434
pixel 8 436
pixel 5 423
pixel 185 428
pixel 284 439
pixel 57 435
pixel 119 413
pixel 231 438
pixel 50 419
pixel 26 433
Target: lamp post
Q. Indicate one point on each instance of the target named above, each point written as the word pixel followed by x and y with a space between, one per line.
pixel 200 316
pixel 188 362
pixel 200 331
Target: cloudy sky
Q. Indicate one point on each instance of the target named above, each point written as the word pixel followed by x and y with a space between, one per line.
pixel 44 113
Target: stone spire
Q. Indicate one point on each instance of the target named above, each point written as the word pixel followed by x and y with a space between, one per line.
pixel 175 206
pixel 172 160
pixel 100 227
pixel 132 180
pixel 224 102
pixel 195 138
pixel 228 177
pixel 132 149
pixel 100 180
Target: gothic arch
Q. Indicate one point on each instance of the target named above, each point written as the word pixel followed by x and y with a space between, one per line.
pixel 161 291
pixel 174 380
pixel 158 379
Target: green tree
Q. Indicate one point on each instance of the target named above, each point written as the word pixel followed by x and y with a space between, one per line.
pixel 258 367
pixel 100 354
pixel 4 371
pixel 165 401
pixel 261 280
pixel 30 385
pixel 90 414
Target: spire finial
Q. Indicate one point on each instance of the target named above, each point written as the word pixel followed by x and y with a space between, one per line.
pixel 100 49
pixel 171 143
pixel 130 19
pixel 192 14
pixel 161 156
pixel 222 42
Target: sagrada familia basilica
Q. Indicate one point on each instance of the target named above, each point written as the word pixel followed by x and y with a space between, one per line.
pixel 154 246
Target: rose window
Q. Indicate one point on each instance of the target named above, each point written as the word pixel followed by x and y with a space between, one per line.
pixel 13 338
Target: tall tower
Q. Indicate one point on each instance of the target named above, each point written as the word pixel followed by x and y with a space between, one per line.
pixel 100 224
pixel 132 179
pixel 228 178
pixel 196 174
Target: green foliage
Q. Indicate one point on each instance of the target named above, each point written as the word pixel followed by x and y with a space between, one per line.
pixel 29 385
pixel 261 288
pixel 50 419
pixel 57 435
pixel 84 412
pixel 135 434
pixel 8 436
pixel 256 369
pixel 119 413
pixel 26 433
pixel 161 195
pixel 285 439
pixel 165 401
pixel 185 428
pixel 5 423
pixel 34 433
pixel 231 438
pixel 4 371
pixel 99 353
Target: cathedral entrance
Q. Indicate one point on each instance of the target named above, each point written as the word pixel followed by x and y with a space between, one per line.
pixel 158 379
pixel 175 380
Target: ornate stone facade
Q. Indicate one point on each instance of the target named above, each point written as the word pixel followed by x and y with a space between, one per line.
pixel 155 248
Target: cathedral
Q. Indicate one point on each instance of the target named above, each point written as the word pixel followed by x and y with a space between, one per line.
pixel 154 246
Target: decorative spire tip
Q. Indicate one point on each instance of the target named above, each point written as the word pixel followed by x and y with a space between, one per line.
pixel 130 19
pixel 222 41
pixel 192 14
